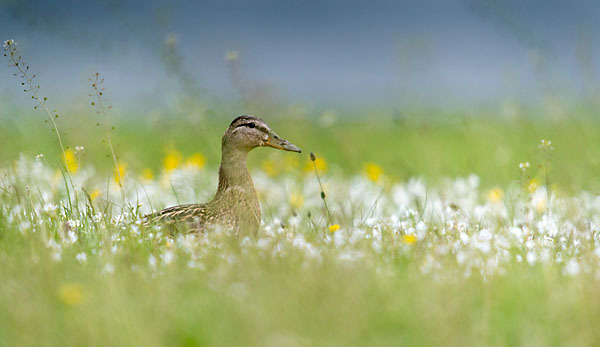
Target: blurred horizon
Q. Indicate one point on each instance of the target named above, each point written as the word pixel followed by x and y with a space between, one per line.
pixel 320 54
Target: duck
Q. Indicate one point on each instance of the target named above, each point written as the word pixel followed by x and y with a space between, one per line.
pixel 235 205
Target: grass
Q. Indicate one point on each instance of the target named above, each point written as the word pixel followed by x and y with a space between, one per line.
pixel 432 234
pixel 426 146
pixel 275 301
pixel 416 261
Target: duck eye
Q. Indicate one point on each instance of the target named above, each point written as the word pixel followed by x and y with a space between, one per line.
pixel 251 125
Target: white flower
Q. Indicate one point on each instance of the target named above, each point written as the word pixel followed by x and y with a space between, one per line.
pixel 81 257
pixel 546 145
pixel 79 149
pixel 152 261
pixel 39 157
pixel 572 267
pixel 9 43
pixel 71 237
pixel 531 258
pixel 74 224
pixel 167 257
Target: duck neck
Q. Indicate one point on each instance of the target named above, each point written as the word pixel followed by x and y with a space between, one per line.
pixel 233 171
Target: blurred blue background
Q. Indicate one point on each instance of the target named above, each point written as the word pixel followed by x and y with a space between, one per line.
pixel 318 53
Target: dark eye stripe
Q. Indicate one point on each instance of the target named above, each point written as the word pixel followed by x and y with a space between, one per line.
pixel 249 125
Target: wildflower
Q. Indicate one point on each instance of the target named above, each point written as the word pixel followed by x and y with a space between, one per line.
pixel 296 200
pixel 81 257
pixel 70 161
pixel 409 239
pixel 71 236
pixel 531 257
pixel 196 160
pixel 171 160
pixel 152 261
pixel 572 268
pixel 95 194
pixel 333 228
pixel 120 171
pixel 524 166
pixel 546 145
pixel 9 43
pixel 533 185
pixel 495 195
pixel 74 224
pixel 317 162
pixel 71 294
pixel 147 174
pixel 232 55
pixel 373 171
pixel 167 257
pixel 79 149
pixel 39 157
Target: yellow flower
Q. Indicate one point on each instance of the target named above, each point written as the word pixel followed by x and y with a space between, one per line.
pixel 171 160
pixel 196 160
pixel 147 174
pixel 120 171
pixel 409 239
pixel 373 171
pixel 319 162
pixel 95 194
pixel 334 228
pixel 71 294
pixel 533 185
pixel 296 200
pixel 270 167
pixel 70 161
pixel 495 195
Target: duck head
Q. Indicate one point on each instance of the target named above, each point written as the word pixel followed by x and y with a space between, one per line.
pixel 247 132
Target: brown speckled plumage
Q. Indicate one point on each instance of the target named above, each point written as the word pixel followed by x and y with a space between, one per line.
pixel 235 205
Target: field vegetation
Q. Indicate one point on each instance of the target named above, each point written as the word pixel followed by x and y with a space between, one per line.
pixel 439 228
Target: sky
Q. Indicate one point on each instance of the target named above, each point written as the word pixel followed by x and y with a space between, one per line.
pixel 326 52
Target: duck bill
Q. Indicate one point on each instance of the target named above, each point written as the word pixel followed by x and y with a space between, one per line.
pixel 279 143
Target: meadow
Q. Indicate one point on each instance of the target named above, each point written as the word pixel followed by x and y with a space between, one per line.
pixel 441 228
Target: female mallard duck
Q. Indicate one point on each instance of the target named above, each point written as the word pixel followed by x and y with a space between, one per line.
pixel 235 204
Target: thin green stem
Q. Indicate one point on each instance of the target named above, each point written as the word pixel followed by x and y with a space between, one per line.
pixel 323 196
pixel 98 96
